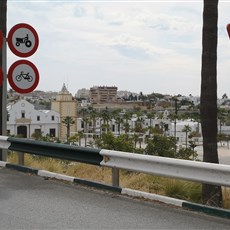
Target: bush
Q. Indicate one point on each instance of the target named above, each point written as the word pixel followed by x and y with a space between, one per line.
pixel 186 154
pixel 183 190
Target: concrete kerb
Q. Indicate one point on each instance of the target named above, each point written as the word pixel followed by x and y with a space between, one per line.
pixel 124 191
pixel 3 164
pixel 21 168
pixel 57 176
pixel 213 211
pixel 150 196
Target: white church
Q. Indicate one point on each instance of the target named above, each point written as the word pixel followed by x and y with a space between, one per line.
pixel 24 120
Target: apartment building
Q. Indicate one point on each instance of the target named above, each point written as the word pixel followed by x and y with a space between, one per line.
pixel 103 94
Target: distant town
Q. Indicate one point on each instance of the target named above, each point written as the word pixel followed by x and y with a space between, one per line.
pixel 91 112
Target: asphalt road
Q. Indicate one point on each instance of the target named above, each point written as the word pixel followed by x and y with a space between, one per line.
pixel 32 202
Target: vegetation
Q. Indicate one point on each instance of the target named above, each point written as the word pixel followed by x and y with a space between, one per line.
pixel 120 143
pixel 187 154
pixel 161 146
pixel 68 122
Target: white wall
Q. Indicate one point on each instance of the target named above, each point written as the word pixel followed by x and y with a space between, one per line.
pixel 34 119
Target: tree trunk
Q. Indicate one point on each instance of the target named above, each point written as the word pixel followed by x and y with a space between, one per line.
pixel 3 9
pixel 208 108
pixel 68 132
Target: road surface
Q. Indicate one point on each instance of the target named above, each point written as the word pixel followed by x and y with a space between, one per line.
pixel 32 202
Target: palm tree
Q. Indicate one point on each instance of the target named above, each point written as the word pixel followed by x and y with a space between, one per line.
pixel 86 122
pixel 73 139
pixel 175 115
pixel 105 114
pixel 211 194
pixel 93 115
pixel 116 114
pixel 139 124
pixel 186 129
pixel 135 139
pixel 68 122
pixel 127 116
pixel 83 111
pixel 150 116
pixel 80 136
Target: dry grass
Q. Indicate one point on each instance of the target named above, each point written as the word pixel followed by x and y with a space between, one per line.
pixel 142 182
pixel 139 181
pixel 80 170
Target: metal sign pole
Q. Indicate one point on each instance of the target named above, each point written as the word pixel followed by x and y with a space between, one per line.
pixel 3 28
pixel 4 95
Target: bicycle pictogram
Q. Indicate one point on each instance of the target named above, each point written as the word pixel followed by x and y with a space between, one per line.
pixel 24 76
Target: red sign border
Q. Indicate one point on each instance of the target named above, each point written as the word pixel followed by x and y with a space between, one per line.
pixel 10 76
pixel 1 76
pixel 1 39
pixel 228 29
pixel 10 38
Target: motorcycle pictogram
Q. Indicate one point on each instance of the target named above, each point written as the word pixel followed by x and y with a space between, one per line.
pixel 26 76
pixel 24 40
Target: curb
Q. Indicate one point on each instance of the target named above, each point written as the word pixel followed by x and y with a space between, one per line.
pixel 47 174
pixel 150 196
pixel 213 211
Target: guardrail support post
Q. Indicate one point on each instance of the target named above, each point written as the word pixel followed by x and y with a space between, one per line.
pixel 115 177
pixel 21 158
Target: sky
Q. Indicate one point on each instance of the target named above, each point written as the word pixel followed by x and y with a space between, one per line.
pixel 138 46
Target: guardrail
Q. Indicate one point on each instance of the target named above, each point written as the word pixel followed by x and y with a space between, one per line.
pixel 50 149
pixel 217 174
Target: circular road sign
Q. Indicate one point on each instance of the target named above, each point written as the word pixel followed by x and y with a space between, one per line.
pixel 23 40
pixel 1 76
pixel 1 39
pixel 23 76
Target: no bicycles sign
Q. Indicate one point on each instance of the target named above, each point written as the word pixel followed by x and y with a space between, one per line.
pixel 23 76
pixel 23 40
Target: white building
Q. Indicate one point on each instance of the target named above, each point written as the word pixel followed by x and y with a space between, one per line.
pixel 181 135
pixel 163 124
pixel 24 120
pixel 117 129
